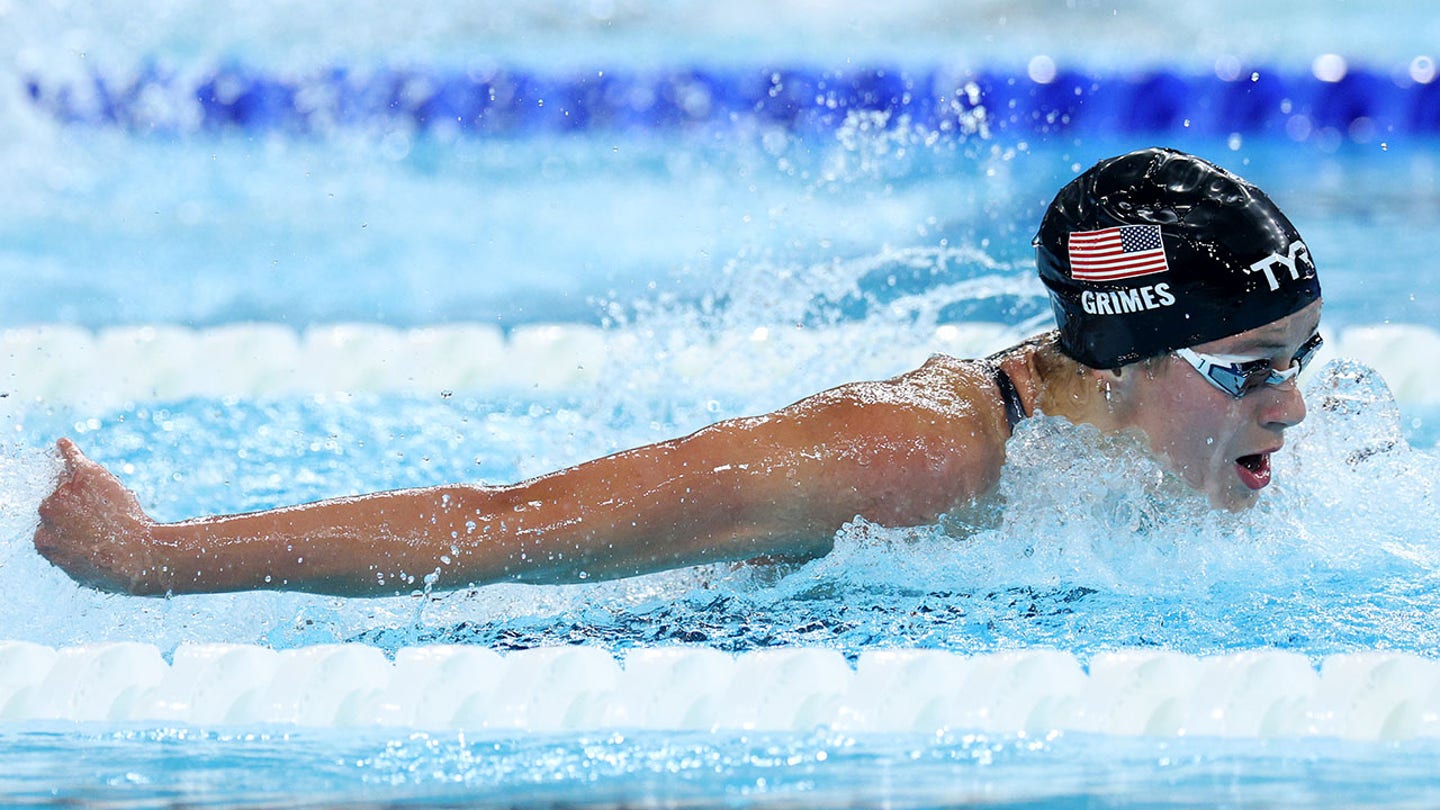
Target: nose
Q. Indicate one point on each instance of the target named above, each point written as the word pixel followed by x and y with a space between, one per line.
pixel 1284 406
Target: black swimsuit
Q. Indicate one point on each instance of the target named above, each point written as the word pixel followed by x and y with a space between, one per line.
pixel 1014 408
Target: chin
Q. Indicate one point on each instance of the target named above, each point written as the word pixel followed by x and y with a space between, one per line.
pixel 1234 501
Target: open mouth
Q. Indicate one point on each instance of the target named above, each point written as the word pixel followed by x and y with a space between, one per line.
pixel 1254 469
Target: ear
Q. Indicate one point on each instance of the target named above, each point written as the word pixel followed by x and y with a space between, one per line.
pixel 1115 384
pixel 1106 376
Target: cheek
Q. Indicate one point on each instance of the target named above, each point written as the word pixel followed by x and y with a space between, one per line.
pixel 1195 427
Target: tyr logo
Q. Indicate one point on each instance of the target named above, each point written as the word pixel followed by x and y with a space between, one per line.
pixel 1290 261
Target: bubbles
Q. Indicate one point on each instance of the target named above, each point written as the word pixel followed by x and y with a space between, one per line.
pixel 1329 67
pixel 1354 418
pixel 26 476
pixel 1041 69
pixel 1097 509
pixel 1422 69
pixel 1228 67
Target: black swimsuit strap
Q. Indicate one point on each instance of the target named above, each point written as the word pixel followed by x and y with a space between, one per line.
pixel 1014 408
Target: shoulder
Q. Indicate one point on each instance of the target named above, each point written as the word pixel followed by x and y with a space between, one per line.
pixel 922 442
pixel 943 389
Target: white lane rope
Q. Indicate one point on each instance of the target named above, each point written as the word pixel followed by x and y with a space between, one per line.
pixel 69 365
pixel 1257 693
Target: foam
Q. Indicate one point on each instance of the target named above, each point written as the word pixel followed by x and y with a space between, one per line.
pixel 67 365
pixel 1245 694
pixel 1400 352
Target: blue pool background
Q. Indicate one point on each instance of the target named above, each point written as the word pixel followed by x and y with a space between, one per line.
pixel 684 232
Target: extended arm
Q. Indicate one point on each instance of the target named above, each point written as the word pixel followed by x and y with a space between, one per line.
pixel 780 484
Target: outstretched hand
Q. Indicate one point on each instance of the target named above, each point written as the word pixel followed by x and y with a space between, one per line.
pixel 93 528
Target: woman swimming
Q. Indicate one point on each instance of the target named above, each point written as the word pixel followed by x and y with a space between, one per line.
pixel 1185 301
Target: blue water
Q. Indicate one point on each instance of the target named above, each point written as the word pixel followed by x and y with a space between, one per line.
pixel 274 230
pixel 258 767
pixel 684 236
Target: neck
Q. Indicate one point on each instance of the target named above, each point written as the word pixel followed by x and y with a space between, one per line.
pixel 1051 382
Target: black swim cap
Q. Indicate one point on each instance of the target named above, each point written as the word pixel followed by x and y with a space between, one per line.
pixel 1159 250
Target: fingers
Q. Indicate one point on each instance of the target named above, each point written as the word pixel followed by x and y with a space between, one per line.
pixel 70 459
pixel 69 453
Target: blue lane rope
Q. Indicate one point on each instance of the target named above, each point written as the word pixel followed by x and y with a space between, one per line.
pixel 510 101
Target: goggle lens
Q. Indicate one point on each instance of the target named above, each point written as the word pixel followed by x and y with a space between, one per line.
pixel 1240 377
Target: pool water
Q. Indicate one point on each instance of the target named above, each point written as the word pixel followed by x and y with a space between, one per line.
pixel 243 315
pixel 614 769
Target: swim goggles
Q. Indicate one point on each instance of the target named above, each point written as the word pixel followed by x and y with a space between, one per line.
pixel 1238 376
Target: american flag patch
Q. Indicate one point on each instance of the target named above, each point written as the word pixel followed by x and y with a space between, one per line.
pixel 1115 253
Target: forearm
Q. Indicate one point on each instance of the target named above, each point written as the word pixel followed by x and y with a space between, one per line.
pixel 377 544
pixel 390 543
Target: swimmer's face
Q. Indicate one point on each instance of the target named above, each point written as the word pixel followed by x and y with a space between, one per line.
pixel 1221 445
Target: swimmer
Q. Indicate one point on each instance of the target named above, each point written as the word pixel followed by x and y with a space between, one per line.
pixel 1185 303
